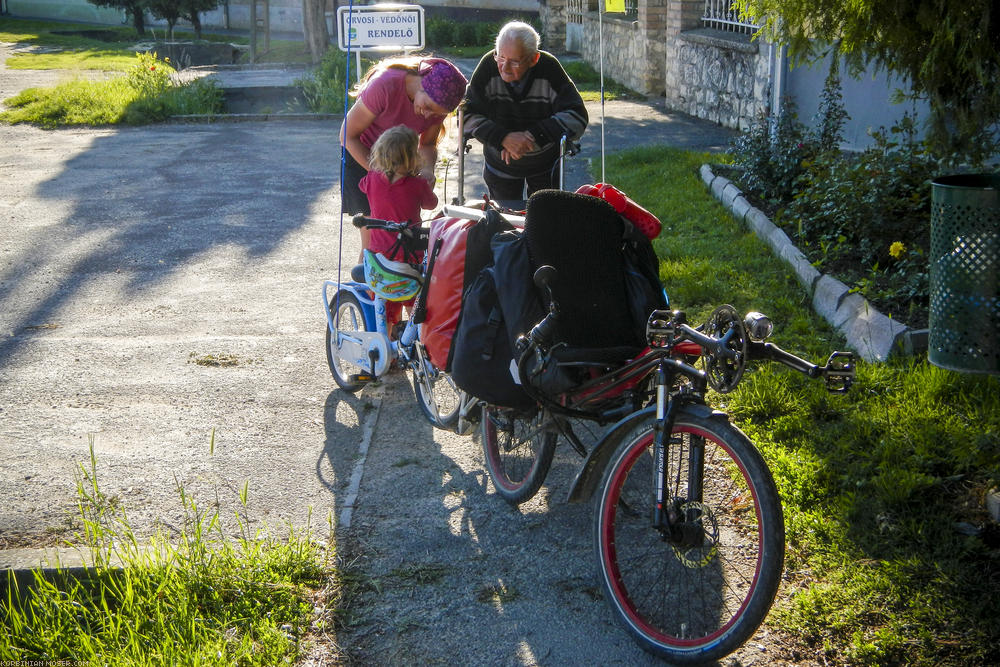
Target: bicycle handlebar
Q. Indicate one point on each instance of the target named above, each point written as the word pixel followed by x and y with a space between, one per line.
pixel 360 221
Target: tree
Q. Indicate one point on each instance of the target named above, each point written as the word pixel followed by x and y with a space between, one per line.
pixel 191 9
pixel 166 10
pixel 132 8
pixel 948 52
pixel 314 28
pixel 172 10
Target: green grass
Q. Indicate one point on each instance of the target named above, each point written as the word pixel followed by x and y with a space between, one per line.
pixel 588 82
pixel 200 599
pixel 143 94
pixel 891 559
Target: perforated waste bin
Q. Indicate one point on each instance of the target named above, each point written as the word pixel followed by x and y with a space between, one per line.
pixel 964 259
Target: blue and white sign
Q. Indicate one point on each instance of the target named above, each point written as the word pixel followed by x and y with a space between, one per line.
pixel 381 27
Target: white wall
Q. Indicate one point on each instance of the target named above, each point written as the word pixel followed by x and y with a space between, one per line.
pixel 285 15
pixel 867 100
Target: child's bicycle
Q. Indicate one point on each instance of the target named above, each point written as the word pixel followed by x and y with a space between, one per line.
pixel 361 348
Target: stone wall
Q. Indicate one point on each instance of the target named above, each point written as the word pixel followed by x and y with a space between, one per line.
pixel 552 15
pixel 712 74
pixel 633 50
pixel 719 76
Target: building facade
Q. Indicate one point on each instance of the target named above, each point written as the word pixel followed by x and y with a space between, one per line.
pixel 705 62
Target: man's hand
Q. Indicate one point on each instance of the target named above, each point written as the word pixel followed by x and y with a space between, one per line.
pixel 516 145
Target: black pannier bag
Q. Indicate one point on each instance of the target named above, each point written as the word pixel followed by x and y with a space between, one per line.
pixel 500 305
pixel 482 359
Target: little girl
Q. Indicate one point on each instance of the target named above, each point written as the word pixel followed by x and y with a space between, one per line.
pixel 396 192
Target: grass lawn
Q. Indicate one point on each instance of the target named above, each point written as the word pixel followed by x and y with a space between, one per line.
pixel 891 557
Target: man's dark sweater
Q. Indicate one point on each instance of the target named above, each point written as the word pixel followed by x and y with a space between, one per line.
pixel 544 102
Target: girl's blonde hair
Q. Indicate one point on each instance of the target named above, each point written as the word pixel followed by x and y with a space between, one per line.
pixel 395 152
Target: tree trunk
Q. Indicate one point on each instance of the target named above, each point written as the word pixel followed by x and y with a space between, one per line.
pixel 195 19
pixel 138 22
pixel 314 28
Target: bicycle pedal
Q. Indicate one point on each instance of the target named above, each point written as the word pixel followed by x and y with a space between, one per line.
pixel 839 372
pixel 362 377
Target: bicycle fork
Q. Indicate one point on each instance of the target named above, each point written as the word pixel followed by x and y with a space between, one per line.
pixel 677 519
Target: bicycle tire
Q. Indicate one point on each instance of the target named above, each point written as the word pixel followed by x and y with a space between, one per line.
pixel 690 604
pixel 518 455
pixel 438 397
pixel 348 316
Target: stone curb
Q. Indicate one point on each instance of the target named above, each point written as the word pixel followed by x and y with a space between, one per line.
pixel 249 117
pixel 871 334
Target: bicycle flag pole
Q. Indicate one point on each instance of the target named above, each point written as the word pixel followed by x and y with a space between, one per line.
pixel 610 6
pixel 343 153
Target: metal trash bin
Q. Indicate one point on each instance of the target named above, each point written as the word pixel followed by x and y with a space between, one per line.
pixel 964 259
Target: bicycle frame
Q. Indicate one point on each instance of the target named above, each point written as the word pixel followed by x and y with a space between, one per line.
pixel 676 342
pixel 371 349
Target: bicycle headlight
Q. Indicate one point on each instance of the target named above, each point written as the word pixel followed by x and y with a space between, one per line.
pixel 758 325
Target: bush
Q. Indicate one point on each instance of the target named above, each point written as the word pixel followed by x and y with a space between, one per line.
pixel 863 217
pixel 324 89
pixel 443 33
pixel 145 94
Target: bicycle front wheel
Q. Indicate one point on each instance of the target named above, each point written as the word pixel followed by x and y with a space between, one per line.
pixel 438 397
pixel 349 318
pixel 698 592
pixel 518 451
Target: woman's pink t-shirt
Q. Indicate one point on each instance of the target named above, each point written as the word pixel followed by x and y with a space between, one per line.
pixel 399 202
pixel 385 96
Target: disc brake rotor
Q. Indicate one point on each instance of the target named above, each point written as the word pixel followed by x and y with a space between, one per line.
pixel 700 556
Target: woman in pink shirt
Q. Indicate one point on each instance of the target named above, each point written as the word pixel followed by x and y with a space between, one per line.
pixel 415 92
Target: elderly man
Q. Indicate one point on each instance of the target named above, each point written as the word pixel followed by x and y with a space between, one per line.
pixel 519 104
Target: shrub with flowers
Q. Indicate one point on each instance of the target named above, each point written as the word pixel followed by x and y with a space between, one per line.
pixel 150 77
pixel 864 218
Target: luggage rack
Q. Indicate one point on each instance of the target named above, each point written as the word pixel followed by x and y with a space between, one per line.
pixel 474 210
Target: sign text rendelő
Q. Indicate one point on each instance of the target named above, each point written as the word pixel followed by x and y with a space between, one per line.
pixel 375 27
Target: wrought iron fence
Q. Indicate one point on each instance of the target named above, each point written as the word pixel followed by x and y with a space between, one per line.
pixel 721 15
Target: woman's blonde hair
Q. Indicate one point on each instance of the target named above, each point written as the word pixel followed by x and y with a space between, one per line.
pixel 411 64
pixel 395 152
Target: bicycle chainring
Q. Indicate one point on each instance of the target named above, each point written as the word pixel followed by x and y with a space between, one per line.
pixel 726 370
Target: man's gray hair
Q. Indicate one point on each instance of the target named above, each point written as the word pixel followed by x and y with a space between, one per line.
pixel 521 33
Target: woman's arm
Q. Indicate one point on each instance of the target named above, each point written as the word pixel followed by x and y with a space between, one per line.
pixel 428 151
pixel 358 119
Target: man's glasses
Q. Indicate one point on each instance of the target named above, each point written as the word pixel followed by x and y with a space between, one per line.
pixel 514 64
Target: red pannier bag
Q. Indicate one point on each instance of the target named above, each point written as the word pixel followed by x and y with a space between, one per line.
pixel 459 249
pixel 643 220
pixel 444 291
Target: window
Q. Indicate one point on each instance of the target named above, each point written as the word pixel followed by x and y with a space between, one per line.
pixel 721 15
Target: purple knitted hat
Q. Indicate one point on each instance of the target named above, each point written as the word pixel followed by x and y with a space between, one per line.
pixel 442 82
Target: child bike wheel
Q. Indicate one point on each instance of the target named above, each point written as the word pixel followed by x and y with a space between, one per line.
pixel 438 397
pixel 697 594
pixel 348 317
pixel 518 453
